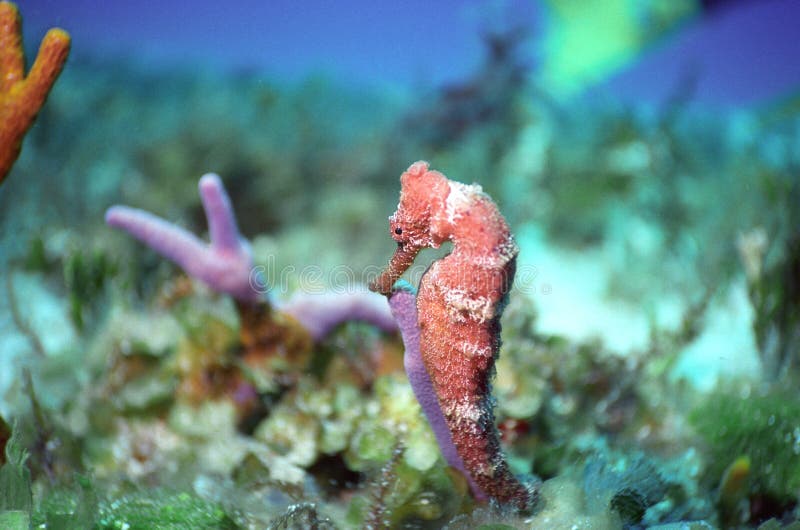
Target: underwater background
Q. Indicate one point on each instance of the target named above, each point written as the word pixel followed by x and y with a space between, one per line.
pixel 645 153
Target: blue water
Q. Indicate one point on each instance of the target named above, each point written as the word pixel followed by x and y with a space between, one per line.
pixel 737 52
pixel 404 42
pixel 743 53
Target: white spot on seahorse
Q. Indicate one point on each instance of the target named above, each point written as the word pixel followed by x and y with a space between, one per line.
pixel 459 198
pixel 465 413
pixel 475 350
pixel 458 301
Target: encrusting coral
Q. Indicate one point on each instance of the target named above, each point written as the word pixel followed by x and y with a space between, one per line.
pixel 21 97
pixel 460 300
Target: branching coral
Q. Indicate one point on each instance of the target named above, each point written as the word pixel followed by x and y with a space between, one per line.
pixel 226 265
pixel 461 298
pixel 21 97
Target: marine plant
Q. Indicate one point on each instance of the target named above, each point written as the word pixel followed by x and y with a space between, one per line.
pixel 460 301
pixel 762 428
pixel 22 96
pixel 16 495
pixel 773 269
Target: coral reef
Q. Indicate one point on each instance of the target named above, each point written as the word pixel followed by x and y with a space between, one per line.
pixel 21 96
pixel 636 376
pixel 272 333
pixel 460 301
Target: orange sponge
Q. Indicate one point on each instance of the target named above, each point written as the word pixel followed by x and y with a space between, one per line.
pixel 21 97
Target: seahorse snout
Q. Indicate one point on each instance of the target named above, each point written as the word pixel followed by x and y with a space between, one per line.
pixel 401 260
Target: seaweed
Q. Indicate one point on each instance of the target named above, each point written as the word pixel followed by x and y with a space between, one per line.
pixel 15 477
pixel 762 424
pixel 86 275
pixel 775 295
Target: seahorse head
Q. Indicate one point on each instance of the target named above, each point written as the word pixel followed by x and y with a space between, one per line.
pixel 423 194
pixel 417 223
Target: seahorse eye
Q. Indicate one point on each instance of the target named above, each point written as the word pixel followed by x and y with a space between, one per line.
pixel 398 231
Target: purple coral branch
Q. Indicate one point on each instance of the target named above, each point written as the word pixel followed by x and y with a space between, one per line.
pixel 226 264
pixel 222 227
pixel 403 304
pixel 322 313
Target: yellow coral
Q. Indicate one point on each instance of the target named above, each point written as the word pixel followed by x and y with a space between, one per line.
pixel 21 97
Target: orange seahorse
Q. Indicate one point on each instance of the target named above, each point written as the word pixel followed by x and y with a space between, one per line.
pixel 460 300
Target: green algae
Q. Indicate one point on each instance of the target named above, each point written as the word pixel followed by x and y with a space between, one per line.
pixel 162 511
pixel 82 506
pixel 762 424
pixel 15 478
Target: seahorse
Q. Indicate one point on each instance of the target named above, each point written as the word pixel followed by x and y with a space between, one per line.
pixel 459 304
